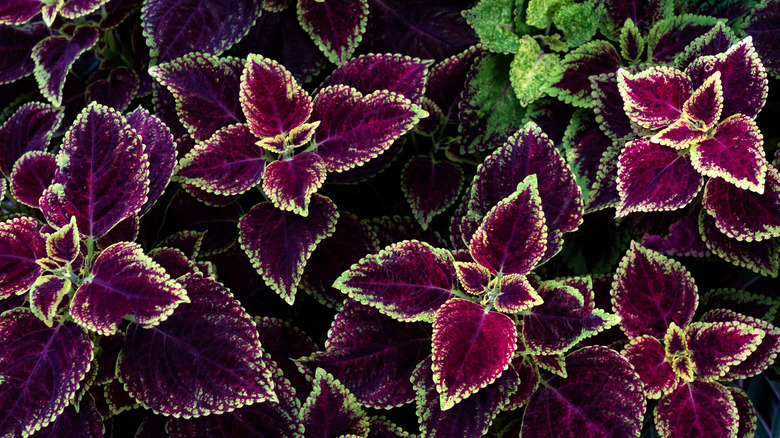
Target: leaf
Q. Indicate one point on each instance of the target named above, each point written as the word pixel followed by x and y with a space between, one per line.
pixel 335 32
pixel 741 302
pixel 41 368
pixel 602 396
pixel 532 72
pixel 228 163
pixel 608 106
pixel 430 186
pixel 446 81
pixel 697 409
pixel 18 43
pixel 745 412
pixel 717 346
pixel 671 35
pixel 285 343
pixel 78 8
pixel 646 354
pixel 654 177
pixel 493 21
pixel 407 281
pixel 205 89
pixel 19 11
pixel 516 294
pixel 21 244
pixel 381 427
pixel 172 371
pixel 54 56
pixel 511 238
pixel 473 277
pixel 717 40
pixel 116 91
pixel 63 245
pixel 30 128
pixel 577 22
pixel 279 243
pixel 471 348
pixel 734 151
pixel 651 291
pixel 173 262
pixel 705 105
pixel 761 25
pixel 631 42
pixel 592 58
pixel 45 297
pixel 355 128
pixel 654 98
pixel 290 183
pixel 742 214
pixel 331 410
pixel 373 355
pixel 174 28
pixel 31 175
pixel 78 420
pixel 678 353
pixel 758 256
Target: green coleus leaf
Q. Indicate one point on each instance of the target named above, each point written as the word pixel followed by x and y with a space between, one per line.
pixel 540 12
pixel 532 72
pixel 577 21
pixel 493 20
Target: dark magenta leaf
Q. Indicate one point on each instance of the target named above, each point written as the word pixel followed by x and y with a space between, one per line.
pixel 717 346
pixel 78 8
pixel 584 144
pixel 218 223
pixel 734 151
pixel 516 294
pixel 102 176
pixel 678 352
pixel 697 408
pixel 78 420
pixel 19 11
pixel 670 36
pixel 471 348
pixel 31 175
pixel 473 277
pixel 205 90
pixel 743 214
pixel 174 262
pixel 648 357
pixel 21 244
pixel 758 256
pixel 54 56
pixel 602 396
pixel 654 98
pixel 650 291
pixel 408 280
pixel 278 243
pixel 16 47
pixel 654 177
pixel 552 116
pixel 592 58
pixel 430 186
pixel 123 280
pixel 762 24
pixel 683 239
pixel 717 40
pixel 45 297
pixel 289 184
pixel 460 420
pixel 446 80
pixel 381 427
pixel 29 129
pixel 745 411
pixel 742 302
pixel 644 14
pixel 176 27
pixel 336 26
pixel 529 381
pixel 355 128
pixel 41 368
pixel 397 73
pixel 228 163
pixel 608 106
pixel 172 371
pixel 331 410
pixel 705 106
pixel 116 91
pixel 512 237
pixel 272 100
pixel 373 355
pixel 125 231
pixel 284 343
pixel 63 245
pixel 186 241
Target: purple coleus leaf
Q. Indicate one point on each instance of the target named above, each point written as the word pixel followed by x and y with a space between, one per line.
pixel 174 262
pixel 64 245
pixel 31 175
pixel 670 36
pixel 205 89
pixel 331 410
pixel 172 371
pixel 650 291
pixel 102 176
pixel 392 72
pixel 734 151
pixel 373 355
pixel 697 408
pixel 512 237
pixel 473 277
pixel 648 357
pixel 602 396
pixel 21 244
pixel 187 241
pixel 743 214
pixel 54 57
pixel 381 427
pixel 741 302
pixel 471 348
pixel 608 106
pixel 355 127
pixel 176 27
pixel 78 8
pixel 446 80
pixel 761 24
pixel 644 14
pixel 29 129
pixel 592 58
pixel 459 421
pixel 654 98
pixel 19 11
pixel 653 177
pixel 516 294
pixel 123 280
pixel 290 184
pixel 278 243
pixel 430 186
pixel 41 368
pixel 717 40
pixel 16 46
pixel 228 163
pixel 115 91
pixel 284 343
pixel 705 106
pixel 758 256
pixel 78 420
pixel 716 346
pixel 745 411
pixel 45 297
pixel 408 280
pixel 336 26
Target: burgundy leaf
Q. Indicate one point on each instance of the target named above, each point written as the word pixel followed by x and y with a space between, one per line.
pixel 218 223
pixel 741 302
pixel 289 184
pixel 355 128
pixel 678 353
pixel 681 134
pixel 41 368
pixel 78 8
pixel 654 98
pixel 64 245
pixel 602 396
pixel 279 243
pixel 21 244
pixel 683 239
pixel 717 40
pixel 54 56
pixel 758 256
pixel 717 346
pixel 117 91
pixel 446 81
pixel 331 410
pixel 473 277
pixel 585 144
pixel 516 294
pixel 705 106
pixel 16 45
pixel 205 89
pixel 336 26
pixel 79 420
pixel 408 280
pixel 172 371
pixel 174 262
pixel 646 354
pixel 125 231
pixel 45 297
pixel 697 408
pixel 176 27
pixel 644 14
pixel 670 36
pixel 29 129
pixel 471 348
pixel 650 291
pixel 284 343
pixel 608 106
pixel 381 427
pixel 430 186
pixel 19 11
pixel 592 58
pixel 762 24
pixel 187 241
pixel 397 73
pixel 745 411
pixel 31 175
pixel 529 381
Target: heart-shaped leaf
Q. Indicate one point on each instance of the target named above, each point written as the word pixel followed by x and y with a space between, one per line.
pixel 290 184
pixel 336 26
pixel 55 55
pixel 654 97
pixel 331 410
pixel 21 244
pixel 592 58
pixel 697 408
pixel 473 277
pixel 29 129
pixel 717 346
pixel 31 175
pixel 45 297
pixel 516 294
pixel 430 186
pixel 646 354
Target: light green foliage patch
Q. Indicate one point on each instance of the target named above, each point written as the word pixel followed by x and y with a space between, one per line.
pixel 493 20
pixel 532 71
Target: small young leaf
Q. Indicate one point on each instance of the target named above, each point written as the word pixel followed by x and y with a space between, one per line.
pixel 290 183
pixel 473 277
pixel 63 244
pixel 31 175
pixel 705 105
pixel 532 72
pixel 516 294
pixel 45 297
pixel 631 42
